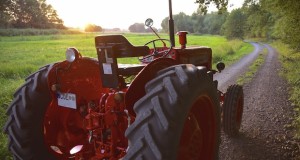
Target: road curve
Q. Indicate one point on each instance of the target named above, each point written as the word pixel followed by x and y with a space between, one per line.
pixel 231 73
pixel 267 111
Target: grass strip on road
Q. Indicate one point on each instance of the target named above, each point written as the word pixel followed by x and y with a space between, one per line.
pixel 253 68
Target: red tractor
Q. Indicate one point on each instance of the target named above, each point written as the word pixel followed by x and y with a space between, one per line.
pixel 86 108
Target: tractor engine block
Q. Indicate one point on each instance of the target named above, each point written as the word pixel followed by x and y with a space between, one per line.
pixel 106 123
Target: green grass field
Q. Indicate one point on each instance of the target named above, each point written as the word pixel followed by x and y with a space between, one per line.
pixel 23 55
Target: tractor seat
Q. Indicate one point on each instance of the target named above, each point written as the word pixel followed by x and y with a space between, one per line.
pixel 121 46
pixel 109 49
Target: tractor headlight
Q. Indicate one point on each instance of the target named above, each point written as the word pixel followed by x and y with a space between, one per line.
pixel 72 54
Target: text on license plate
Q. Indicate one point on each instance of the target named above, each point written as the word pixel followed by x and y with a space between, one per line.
pixel 66 100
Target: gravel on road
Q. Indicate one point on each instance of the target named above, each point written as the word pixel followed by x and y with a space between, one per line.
pixel 265 133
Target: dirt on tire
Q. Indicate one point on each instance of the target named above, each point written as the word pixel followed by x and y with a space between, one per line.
pixel 264 132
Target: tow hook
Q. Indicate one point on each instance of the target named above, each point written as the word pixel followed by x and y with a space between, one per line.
pixel 128 117
pixel 90 136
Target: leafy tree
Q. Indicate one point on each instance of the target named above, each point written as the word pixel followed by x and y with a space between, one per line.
pixel 209 23
pixel 197 23
pixel 234 25
pixel 286 13
pixel 28 14
pixel 50 16
pixel 258 21
pixel 278 18
pixel 5 16
pixel 93 28
pixel 165 25
pixel 53 19
pixel 137 27
pixel 220 4
pixel 182 22
pixel 213 22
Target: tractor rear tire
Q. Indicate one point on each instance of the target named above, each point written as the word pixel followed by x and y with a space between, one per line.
pixel 233 110
pixel 26 114
pixel 178 118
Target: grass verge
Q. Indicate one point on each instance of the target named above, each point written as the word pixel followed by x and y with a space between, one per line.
pixel 290 61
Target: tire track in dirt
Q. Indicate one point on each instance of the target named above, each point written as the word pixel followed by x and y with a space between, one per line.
pixel 266 112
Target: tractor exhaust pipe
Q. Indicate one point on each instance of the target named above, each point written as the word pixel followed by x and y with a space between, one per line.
pixel 171 25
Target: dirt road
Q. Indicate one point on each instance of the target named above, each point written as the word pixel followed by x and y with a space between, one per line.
pixel 230 74
pixel 267 111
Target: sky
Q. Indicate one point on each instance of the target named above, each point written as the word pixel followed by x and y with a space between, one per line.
pixel 122 13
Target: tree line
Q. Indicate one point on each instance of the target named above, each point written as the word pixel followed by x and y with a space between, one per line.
pixel 269 19
pixel 28 14
pixel 140 28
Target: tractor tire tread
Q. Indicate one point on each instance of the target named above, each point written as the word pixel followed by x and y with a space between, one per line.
pixel 160 109
pixel 230 111
pixel 24 115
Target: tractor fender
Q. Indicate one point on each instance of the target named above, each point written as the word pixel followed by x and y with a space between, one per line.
pixel 81 77
pixel 136 89
pixel 77 81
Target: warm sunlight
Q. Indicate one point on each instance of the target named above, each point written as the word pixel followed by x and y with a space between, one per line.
pixel 91 80
pixel 119 13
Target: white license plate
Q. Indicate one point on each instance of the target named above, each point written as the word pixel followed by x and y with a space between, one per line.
pixel 67 100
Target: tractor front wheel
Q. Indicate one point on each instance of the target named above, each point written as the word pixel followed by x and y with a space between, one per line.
pixel 233 110
pixel 178 118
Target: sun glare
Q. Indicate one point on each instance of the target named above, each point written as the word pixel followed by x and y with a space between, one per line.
pixel 107 14
pixel 118 14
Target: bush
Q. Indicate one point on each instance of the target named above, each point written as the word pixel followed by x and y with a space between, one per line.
pixel 93 28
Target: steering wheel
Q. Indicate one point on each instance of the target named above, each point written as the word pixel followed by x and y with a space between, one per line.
pixel 157 52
